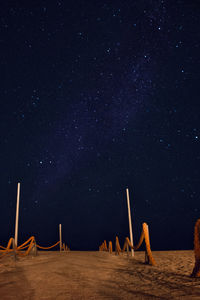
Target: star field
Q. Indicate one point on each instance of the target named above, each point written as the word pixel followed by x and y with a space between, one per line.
pixel 95 97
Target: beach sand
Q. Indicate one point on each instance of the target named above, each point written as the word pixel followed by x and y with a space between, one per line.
pixel 99 275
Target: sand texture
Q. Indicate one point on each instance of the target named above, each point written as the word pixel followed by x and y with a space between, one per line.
pixel 99 275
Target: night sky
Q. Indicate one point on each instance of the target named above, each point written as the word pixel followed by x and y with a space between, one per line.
pixel 97 96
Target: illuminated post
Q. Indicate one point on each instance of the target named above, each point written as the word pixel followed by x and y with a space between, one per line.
pixel 130 223
pixel 17 214
pixel 60 233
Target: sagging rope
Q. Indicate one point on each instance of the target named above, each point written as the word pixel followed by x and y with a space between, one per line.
pixel 25 243
pixel 17 250
pixel 30 244
pixel 47 248
pixel 30 247
pixel 63 247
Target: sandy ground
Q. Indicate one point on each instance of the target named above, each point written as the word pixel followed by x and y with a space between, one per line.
pixel 99 275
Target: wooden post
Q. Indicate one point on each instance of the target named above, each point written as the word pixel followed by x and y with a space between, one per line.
pixel 17 215
pixel 127 249
pixel 34 248
pixel 130 223
pixel 60 234
pixel 146 253
pixel 14 251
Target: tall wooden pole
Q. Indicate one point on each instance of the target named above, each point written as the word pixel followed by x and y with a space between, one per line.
pixel 60 234
pixel 17 215
pixel 129 218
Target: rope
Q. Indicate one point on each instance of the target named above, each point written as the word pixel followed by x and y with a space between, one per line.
pixel 110 247
pixel 140 241
pixel 46 248
pixel 127 243
pixel 103 246
pixel 25 243
pixel 22 248
pixel 117 246
pixel 145 237
pixel 30 246
pixel 7 249
pixel 1 247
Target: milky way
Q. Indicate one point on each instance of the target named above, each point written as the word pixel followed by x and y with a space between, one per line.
pixel 97 97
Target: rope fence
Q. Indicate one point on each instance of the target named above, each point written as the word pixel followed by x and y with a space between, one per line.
pixel 30 245
pixel 143 237
pixel 103 246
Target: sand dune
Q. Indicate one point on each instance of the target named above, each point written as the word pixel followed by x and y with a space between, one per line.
pixel 99 275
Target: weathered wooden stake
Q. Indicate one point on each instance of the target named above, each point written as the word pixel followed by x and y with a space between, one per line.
pixel 17 215
pixel 129 218
pixel 60 233
pixel 14 251
pixel 127 249
pixel 35 248
pixel 146 253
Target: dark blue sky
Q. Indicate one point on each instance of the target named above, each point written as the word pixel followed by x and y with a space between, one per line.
pixel 97 96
